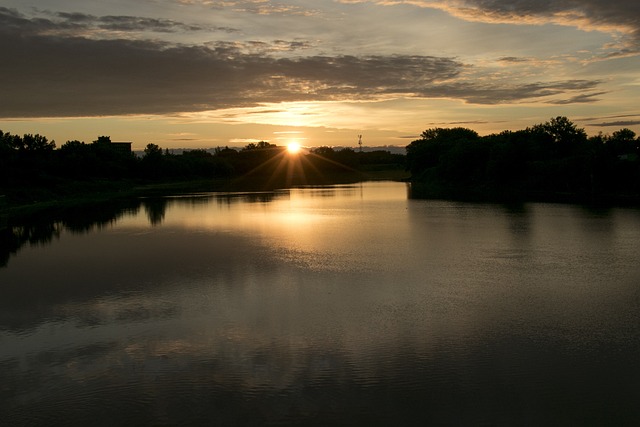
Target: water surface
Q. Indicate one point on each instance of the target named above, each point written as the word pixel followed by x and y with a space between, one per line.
pixel 340 305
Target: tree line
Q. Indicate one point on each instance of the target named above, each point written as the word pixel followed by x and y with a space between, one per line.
pixel 32 167
pixel 555 159
pixel 551 160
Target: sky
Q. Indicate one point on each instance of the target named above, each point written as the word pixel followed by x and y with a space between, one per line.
pixel 209 73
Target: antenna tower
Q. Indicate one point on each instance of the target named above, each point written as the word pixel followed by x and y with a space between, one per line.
pixel 360 142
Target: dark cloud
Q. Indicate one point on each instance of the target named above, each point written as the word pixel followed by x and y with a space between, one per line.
pixel 622 123
pixel 49 74
pixel 11 21
pixel 76 17
pixel 263 47
pixel 133 23
pixel 609 16
pixel 617 116
pixel 606 15
pixel 491 94
pixel 597 12
pixel 513 59
pixel 69 24
pixel 582 98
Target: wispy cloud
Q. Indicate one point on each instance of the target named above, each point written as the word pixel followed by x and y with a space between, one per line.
pixel 582 98
pixel 617 116
pixel 259 7
pixel 513 59
pixel 499 92
pixel 257 47
pixel 619 17
pixel 617 120
pixel 128 23
pixel 620 123
pixel 65 24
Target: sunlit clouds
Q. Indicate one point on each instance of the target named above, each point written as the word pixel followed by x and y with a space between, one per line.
pixel 247 69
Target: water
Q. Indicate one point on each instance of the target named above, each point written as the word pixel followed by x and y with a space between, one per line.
pixel 345 305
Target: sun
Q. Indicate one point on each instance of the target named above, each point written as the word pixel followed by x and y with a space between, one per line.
pixel 293 148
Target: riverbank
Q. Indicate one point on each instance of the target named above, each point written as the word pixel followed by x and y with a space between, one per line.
pixel 27 199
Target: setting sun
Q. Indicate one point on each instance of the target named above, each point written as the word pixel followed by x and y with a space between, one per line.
pixel 293 148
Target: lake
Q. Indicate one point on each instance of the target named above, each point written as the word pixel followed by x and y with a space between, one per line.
pixel 338 305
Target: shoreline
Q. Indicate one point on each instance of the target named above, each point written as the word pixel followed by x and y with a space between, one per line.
pixel 86 193
pixel 89 192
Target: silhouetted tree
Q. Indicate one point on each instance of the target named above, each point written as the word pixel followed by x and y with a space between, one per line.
pixel 152 152
pixel 551 158
pixel 225 152
pixel 562 130
pixel 74 146
pixel 37 143
pixel 623 142
pixel 449 134
pixel 435 143
pixel 340 160
pixel 259 146
pixel 9 142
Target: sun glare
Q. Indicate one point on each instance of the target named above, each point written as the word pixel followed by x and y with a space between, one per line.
pixel 293 148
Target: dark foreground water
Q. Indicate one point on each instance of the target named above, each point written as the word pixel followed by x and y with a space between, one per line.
pixel 346 305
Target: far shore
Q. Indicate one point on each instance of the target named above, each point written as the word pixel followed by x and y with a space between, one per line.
pixel 82 193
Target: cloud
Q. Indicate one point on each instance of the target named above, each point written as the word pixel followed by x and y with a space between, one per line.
pixel 513 59
pixel 492 93
pixel 618 120
pixel 616 17
pixel 55 75
pixel 66 24
pixel 259 7
pixel 582 98
pixel 617 116
pixel 621 123
pixel 262 47
pixel 469 122
pixel 128 23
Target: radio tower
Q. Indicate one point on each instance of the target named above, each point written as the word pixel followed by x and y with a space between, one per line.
pixel 360 142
